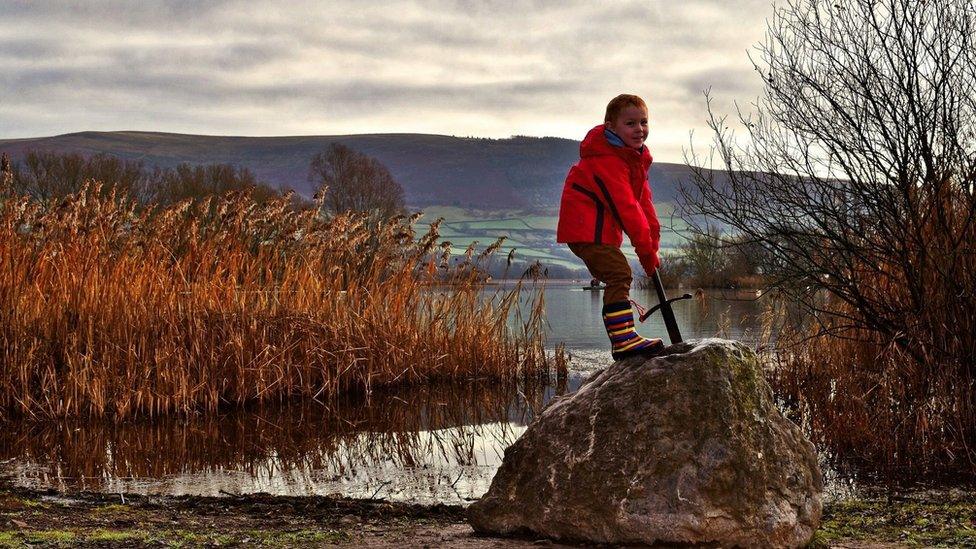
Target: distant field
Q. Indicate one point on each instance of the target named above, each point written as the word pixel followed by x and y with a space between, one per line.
pixel 531 234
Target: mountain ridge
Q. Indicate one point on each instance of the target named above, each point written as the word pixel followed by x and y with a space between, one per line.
pixel 518 172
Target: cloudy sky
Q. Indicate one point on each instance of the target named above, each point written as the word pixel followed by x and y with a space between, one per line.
pixel 464 67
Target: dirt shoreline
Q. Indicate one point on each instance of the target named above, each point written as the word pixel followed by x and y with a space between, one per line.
pixel 51 519
pixel 32 518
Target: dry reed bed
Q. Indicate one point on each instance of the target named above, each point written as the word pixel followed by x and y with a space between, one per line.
pixel 902 405
pixel 112 310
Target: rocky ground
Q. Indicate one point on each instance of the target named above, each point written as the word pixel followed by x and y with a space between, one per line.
pixel 48 519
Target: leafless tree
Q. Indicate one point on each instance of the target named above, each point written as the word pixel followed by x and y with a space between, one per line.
pixel 861 155
pixel 351 181
pixel 6 173
pixel 186 181
pixel 856 176
pixel 45 175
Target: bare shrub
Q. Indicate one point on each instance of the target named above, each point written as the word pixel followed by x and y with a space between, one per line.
pixel 857 179
pixel 710 259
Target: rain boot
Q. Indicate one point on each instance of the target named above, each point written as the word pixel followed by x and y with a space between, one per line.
pixel 625 341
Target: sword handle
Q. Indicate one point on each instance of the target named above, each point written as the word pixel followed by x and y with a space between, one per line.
pixel 669 322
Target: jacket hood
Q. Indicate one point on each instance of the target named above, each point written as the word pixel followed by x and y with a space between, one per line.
pixel 595 144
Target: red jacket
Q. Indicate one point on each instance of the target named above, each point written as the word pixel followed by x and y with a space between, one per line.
pixel 606 191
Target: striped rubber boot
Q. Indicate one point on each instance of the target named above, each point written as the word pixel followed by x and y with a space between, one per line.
pixel 619 320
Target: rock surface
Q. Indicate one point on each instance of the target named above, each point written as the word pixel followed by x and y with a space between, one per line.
pixel 686 447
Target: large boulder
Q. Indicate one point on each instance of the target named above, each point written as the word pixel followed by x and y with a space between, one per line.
pixel 686 447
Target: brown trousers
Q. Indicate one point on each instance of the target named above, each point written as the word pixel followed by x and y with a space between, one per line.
pixel 608 265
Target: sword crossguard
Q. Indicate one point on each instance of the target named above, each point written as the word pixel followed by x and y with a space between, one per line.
pixel 643 316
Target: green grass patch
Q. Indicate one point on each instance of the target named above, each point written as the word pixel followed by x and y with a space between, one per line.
pixel 116 535
pixel 58 537
pixel 938 522
pixel 33 504
pixel 11 539
pixel 542 222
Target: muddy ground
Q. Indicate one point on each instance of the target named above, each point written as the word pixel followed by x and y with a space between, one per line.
pixel 30 518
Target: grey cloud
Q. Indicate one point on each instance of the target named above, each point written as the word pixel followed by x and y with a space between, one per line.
pixel 120 12
pixel 215 59
pixel 240 66
pixel 738 82
pixel 12 49
pixel 498 96
pixel 164 82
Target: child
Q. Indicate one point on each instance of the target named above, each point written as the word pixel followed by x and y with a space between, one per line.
pixel 606 193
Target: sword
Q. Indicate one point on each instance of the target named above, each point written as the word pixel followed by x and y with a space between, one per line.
pixel 665 306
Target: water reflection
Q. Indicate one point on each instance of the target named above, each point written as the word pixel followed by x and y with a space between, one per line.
pixel 425 444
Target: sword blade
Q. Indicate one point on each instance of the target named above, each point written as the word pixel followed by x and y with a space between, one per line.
pixel 669 321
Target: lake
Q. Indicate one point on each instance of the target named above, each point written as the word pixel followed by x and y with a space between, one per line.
pixel 425 445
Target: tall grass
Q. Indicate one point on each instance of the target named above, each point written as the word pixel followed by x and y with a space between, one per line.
pixel 109 310
pixel 902 404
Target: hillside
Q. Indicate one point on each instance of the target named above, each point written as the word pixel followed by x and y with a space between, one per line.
pixel 519 172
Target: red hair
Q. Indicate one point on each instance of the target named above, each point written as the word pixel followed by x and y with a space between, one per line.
pixel 621 102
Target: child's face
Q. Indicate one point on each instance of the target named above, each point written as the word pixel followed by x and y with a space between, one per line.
pixel 631 126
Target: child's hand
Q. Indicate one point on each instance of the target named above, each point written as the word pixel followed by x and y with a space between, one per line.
pixel 650 262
